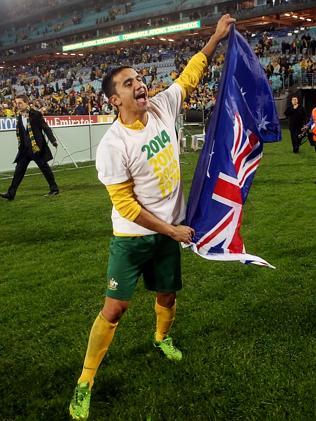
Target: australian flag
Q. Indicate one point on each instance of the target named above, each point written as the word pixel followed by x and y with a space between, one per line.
pixel 244 118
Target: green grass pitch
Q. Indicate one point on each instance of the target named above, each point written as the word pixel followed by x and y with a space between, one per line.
pixel 247 333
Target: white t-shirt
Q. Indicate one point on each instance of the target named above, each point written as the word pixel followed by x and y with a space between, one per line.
pixel 149 157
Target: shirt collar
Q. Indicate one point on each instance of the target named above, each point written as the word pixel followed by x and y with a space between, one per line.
pixel 137 125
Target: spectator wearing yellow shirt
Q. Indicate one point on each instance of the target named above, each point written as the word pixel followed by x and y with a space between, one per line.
pixel 7 110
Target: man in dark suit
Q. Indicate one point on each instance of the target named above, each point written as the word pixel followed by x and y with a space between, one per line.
pixel 297 118
pixel 32 147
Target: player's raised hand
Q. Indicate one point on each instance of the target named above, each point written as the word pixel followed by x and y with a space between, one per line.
pixel 223 27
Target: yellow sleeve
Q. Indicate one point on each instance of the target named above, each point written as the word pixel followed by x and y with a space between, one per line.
pixel 192 74
pixel 123 199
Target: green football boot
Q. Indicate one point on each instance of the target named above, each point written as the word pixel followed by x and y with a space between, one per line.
pixel 167 347
pixel 80 403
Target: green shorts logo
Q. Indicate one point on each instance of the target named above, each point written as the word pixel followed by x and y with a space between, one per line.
pixel 112 285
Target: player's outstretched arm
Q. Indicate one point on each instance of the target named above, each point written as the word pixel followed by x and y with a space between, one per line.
pixel 195 69
pixel 221 32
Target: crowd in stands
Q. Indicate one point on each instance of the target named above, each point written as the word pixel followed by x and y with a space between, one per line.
pixel 292 60
pixel 74 86
pixel 62 103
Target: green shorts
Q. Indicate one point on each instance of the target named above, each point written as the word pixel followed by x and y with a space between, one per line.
pixel 156 257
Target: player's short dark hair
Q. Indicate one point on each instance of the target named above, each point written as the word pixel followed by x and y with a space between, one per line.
pixel 108 85
pixel 24 98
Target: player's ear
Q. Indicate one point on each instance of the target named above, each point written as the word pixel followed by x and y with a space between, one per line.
pixel 115 100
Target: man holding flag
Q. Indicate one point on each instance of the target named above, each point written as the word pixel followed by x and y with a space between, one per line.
pixel 138 162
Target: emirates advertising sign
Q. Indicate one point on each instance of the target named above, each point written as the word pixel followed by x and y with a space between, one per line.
pixel 62 121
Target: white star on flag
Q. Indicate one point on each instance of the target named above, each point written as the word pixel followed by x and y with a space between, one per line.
pixel 243 93
pixel 263 123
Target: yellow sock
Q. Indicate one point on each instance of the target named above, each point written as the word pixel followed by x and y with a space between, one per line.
pixel 100 339
pixel 165 317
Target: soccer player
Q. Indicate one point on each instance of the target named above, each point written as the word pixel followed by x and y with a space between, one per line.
pixel 138 162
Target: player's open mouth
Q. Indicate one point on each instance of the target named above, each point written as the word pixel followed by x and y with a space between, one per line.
pixel 141 97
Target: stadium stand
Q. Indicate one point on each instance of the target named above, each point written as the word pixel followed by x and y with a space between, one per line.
pixel 60 84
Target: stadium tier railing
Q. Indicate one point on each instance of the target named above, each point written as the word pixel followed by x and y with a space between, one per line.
pixel 303 80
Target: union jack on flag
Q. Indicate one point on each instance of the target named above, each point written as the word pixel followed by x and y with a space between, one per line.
pixel 244 118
